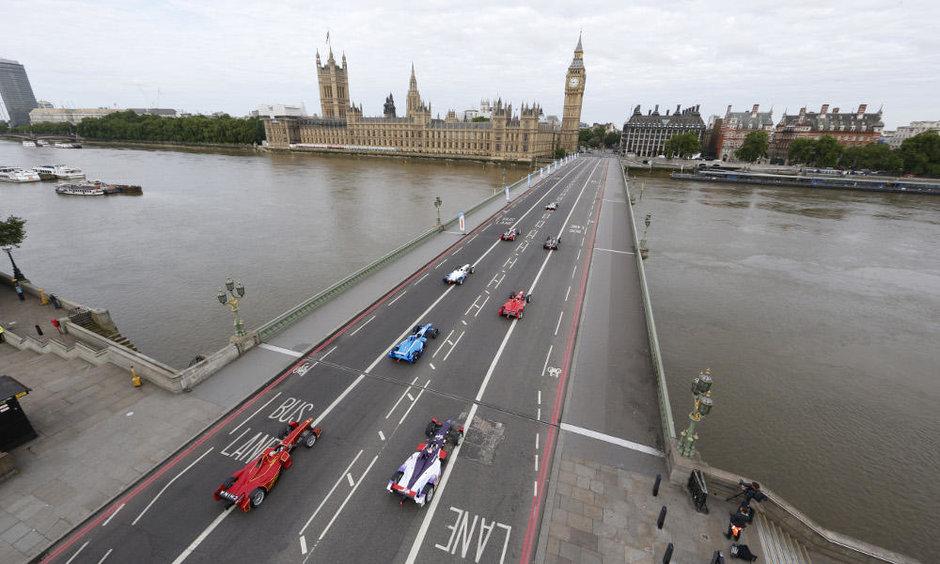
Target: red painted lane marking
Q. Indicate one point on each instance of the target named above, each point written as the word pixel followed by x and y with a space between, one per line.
pixel 228 419
pixel 547 453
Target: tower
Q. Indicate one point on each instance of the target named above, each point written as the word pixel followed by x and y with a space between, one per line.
pixel 334 87
pixel 414 98
pixel 574 96
pixel 16 92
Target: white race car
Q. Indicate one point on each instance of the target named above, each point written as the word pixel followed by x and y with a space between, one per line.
pixel 418 477
pixel 458 276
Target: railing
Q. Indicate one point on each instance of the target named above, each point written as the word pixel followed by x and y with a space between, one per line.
pixel 297 312
pixel 665 409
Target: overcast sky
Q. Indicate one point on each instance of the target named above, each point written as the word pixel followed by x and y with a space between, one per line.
pixel 213 55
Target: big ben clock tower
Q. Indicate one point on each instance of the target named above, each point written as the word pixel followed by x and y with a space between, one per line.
pixel 574 95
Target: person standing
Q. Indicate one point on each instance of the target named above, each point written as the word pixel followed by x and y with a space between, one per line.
pixel 738 521
pixel 1 333
pixel 19 291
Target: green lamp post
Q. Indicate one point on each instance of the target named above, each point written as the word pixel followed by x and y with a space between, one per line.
pixel 701 392
pixel 237 291
pixel 437 204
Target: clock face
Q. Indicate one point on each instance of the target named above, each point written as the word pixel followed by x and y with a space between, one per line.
pixel 574 81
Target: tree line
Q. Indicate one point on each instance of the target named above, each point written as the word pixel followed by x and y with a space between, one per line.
pixel 597 136
pixel 918 155
pixel 128 126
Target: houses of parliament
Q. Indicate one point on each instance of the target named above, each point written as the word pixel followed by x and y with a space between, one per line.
pixel 506 136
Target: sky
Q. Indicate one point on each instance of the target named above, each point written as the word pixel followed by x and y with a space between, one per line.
pixel 204 56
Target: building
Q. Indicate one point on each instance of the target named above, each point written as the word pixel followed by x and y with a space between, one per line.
pixel 735 126
pixel 710 138
pixel 508 135
pixel 274 110
pixel 68 115
pixel 16 92
pixel 852 130
pixel 907 131
pixel 646 135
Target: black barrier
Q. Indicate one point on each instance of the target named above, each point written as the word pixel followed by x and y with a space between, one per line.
pixel 662 518
pixel 668 556
pixel 656 485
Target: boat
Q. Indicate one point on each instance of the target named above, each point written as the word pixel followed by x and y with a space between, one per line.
pixel 60 171
pixel 16 174
pixel 44 175
pixel 68 189
pixel 41 142
pixel 30 143
pixel 64 145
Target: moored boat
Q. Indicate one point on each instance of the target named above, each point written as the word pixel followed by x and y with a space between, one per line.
pixel 64 145
pixel 69 189
pixel 16 174
pixel 30 143
pixel 60 171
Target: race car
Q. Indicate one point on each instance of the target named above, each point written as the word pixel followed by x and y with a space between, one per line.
pixel 515 307
pixel 552 206
pixel 421 472
pixel 413 346
pixel 510 235
pixel 552 243
pixel 458 276
pixel 248 487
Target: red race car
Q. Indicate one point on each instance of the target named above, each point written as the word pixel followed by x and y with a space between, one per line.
pixel 248 487
pixel 510 235
pixel 516 304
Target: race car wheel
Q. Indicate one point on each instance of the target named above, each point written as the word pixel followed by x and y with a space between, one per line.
pixel 428 492
pixel 437 331
pixel 431 428
pixel 416 329
pixel 309 439
pixel 519 315
pixel 257 497
pixel 471 270
pixel 455 437
pixel 460 282
pixel 528 298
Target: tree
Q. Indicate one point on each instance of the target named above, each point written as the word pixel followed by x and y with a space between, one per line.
pixel 560 152
pixel 683 145
pixel 828 151
pixel 801 151
pixel 612 139
pixel 12 231
pixel 921 154
pixel 755 146
pixel 480 118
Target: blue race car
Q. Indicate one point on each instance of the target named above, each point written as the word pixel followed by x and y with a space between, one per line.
pixel 411 348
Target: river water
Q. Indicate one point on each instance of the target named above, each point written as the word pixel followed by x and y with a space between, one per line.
pixel 818 312
pixel 286 225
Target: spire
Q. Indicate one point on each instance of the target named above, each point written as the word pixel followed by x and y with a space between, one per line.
pixel 578 49
pixel 330 59
pixel 413 83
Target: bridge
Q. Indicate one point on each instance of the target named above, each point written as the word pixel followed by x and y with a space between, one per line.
pixel 568 428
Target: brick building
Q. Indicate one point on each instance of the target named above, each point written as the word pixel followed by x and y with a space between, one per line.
pixel 852 130
pixel 735 126
pixel 646 135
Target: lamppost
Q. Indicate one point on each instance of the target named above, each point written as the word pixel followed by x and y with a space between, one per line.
pixel 437 204
pixel 17 273
pixel 701 392
pixel 224 299
pixel 644 251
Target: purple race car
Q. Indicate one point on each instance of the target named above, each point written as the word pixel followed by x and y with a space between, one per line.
pixel 418 477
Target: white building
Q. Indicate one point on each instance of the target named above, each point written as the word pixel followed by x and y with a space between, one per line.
pixel 903 132
pixel 70 115
pixel 274 110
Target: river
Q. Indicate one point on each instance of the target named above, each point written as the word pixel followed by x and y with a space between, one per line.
pixel 818 312
pixel 286 225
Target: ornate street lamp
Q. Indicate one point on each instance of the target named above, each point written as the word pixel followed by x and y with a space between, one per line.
pixel 17 273
pixel 237 291
pixel 701 393
pixel 644 250
pixel 437 204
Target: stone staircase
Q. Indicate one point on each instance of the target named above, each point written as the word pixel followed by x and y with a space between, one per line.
pixel 84 319
pixel 778 546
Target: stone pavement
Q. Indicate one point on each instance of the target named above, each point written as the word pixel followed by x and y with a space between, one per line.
pixel 22 317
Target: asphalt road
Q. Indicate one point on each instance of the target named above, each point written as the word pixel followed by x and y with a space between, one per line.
pixel 503 378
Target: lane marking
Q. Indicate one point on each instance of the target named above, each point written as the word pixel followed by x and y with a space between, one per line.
pixel 446 340
pixel 557 325
pixel 168 484
pixel 413 402
pixel 568 292
pixel 303 545
pixel 255 413
pixel 410 397
pixel 481 306
pixel 350 478
pixel 453 346
pixel 612 440
pixel 218 520
pixel 381 436
pixel 535 488
pixel 329 351
pixel 329 494
pixel 281 350
pixel 574 270
pixel 422 278
pixel 76 552
pixel 614 251
pixel 431 364
pixel 545 367
pixel 108 520
pixel 536 441
pixel 398 297
pixel 536 462
pixel 539 402
pixel 106 554
pixel 405 393
pixel 345 501
pixel 361 326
